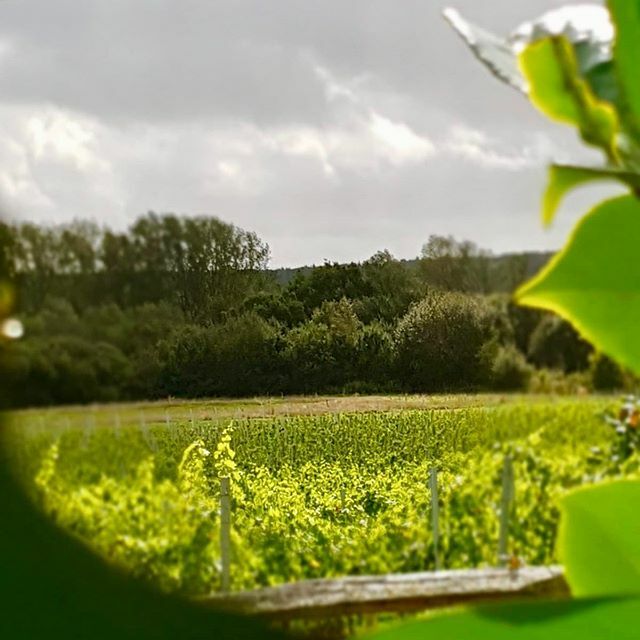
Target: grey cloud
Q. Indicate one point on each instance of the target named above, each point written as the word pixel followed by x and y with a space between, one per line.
pixel 243 59
pixel 333 129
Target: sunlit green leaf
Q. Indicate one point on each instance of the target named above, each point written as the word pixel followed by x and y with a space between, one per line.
pixel 600 539
pixel 564 178
pixel 558 90
pixel 626 15
pixel 583 619
pixel 594 282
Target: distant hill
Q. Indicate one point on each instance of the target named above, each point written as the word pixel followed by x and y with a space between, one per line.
pixel 534 261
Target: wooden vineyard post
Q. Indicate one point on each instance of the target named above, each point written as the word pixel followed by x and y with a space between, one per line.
pixel 225 533
pixel 147 434
pixel 435 515
pixel 506 502
pixel 87 431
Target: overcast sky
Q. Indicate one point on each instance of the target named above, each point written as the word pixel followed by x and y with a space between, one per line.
pixel 333 129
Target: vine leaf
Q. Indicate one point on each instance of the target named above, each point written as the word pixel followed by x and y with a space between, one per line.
pixel 626 15
pixel 594 282
pixel 557 89
pixel 587 27
pixel 599 540
pixel 565 178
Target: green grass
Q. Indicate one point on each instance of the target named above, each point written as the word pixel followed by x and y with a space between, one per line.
pixel 161 411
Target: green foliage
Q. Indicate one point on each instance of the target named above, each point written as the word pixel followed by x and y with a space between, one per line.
pixel 555 344
pixel 438 342
pixel 509 370
pixel 375 355
pixel 164 532
pixel 201 264
pixel 604 618
pixel 554 382
pixel 374 440
pixel 565 178
pixel 626 16
pixel 571 75
pixel 250 353
pixel 129 297
pixel 315 496
pixel 280 307
pixel 66 369
pixel 237 356
pixel 594 283
pixel 606 375
pixel 330 283
pixel 599 540
pixel 323 350
pixel 454 266
pixel 223 455
pixel 523 321
pixel 556 87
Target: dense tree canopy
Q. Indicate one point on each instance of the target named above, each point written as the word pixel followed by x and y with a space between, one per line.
pixel 186 307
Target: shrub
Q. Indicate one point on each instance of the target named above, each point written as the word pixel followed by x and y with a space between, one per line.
pixel 374 358
pixel 321 353
pixel 67 369
pixel 439 340
pixel 605 374
pixel 555 344
pixel 282 307
pixel 237 357
pixel 550 381
pixel 524 321
pixel 509 370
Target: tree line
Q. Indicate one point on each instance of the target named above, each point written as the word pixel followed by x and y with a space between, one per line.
pixel 186 307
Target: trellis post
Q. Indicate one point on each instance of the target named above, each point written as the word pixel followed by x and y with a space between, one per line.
pixel 225 533
pixel 435 515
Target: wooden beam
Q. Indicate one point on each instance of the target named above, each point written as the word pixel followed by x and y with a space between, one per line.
pixel 395 593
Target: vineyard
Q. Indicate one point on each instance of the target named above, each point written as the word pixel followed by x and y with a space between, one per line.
pixel 315 495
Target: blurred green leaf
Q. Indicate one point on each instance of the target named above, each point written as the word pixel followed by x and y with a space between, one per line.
pixel 594 281
pixel 584 619
pixel 626 16
pixel 53 587
pixel 599 539
pixel 558 90
pixel 564 178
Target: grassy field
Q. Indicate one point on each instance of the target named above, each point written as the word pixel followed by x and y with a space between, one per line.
pixel 321 487
pixel 173 410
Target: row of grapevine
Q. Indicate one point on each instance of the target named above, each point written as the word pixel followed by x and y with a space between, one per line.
pixel 315 496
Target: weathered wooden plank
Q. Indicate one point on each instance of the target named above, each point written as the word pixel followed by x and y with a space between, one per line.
pixel 395 593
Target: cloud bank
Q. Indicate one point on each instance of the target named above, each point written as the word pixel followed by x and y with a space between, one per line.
pixel 332 129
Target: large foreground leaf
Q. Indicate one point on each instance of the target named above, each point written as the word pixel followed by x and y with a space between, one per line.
pixel 558 90
pixel 585 620
pixel 594 282
pixel 600 539
pixel 565 178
